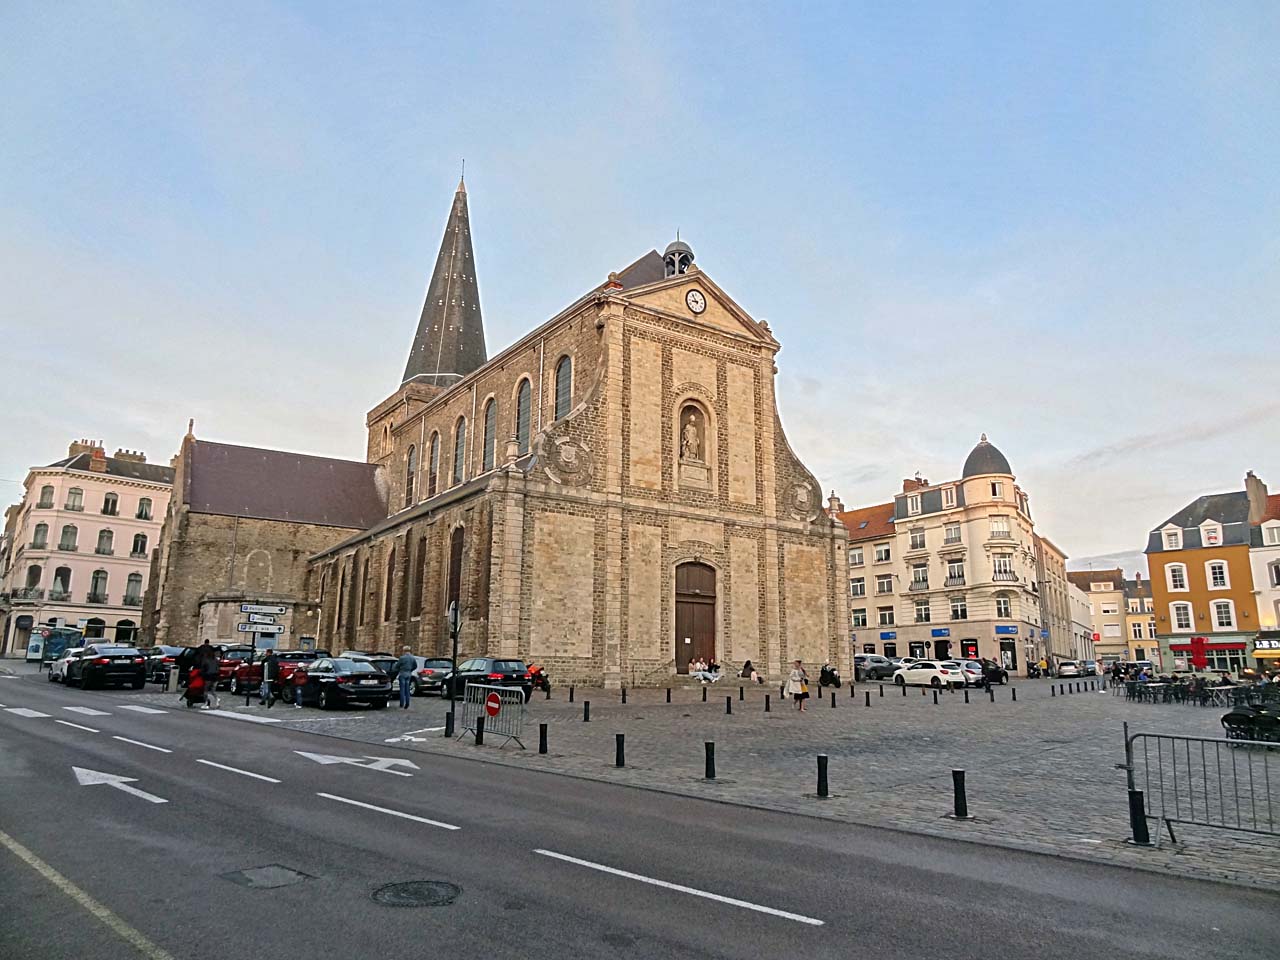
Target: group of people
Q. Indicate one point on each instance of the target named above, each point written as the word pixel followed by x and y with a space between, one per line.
pixel 708 671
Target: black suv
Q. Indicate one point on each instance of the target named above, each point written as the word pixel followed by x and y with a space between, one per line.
pixel 103 663
pixel 490 671
pixel 337 682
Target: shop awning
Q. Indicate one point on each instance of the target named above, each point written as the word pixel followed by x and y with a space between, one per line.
pixel 1266 654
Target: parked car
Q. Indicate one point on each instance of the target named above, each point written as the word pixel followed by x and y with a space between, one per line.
pixel 873 666
pixel 492 671
pixel 58 668
pixel 431 671
pixel 992 672
pixel 1069 668
pixel 160 660
pixel 100 664
pixel 930 674
pixel 972 670
pixel 380 661
pixel 249 675
pixel 230 656
pixel 1090 667
pixel 339 681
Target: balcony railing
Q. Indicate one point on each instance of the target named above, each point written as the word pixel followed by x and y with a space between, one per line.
pixel 110 513
pixel 26 593
pixel 143 515
pixel 918 585
pixel 74 507
pixel 1005 576
pixel 104 551
pixel 954 581
pixel 138 555
pixel 922 620
pixel 1001 534
pixel 96 597
pixel 44 505
pixel 38 545
pixel 59 594
pixel 69 547
pixel 132 601
pixel 949 541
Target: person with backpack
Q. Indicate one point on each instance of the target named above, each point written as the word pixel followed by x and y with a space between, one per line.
pixel 208 663
pixel 270 673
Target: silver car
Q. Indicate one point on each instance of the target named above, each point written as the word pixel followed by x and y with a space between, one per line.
pixel 1069 668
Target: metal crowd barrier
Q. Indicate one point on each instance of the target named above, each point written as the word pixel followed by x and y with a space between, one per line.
pixel 507 722
pixel 1225 784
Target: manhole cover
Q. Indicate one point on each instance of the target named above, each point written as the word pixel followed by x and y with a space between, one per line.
pixel 417 893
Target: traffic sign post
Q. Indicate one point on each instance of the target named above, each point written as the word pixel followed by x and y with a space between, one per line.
pixel 454 617
pixel 256 628
pixel 276 608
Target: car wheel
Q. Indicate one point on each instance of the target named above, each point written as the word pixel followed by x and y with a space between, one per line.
pixel 234 687
pixel 900 681
pixel 326 700
pixel 380 705
pixel 935 682
pixel 50 676
pixel 1004 678
pixel 139 684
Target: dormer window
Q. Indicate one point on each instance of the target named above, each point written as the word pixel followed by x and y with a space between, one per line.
pixel 1211 535
pixel 948 496
pixel 913 504
pixel 1173 539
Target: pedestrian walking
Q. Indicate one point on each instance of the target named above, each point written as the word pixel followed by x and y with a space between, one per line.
pixel 405 668
pixel 798 685
pixel 270 674
pixel 299 680
pixel 208 663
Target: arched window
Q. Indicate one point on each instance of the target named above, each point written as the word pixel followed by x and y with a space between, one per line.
pixel 341 602
pixel 410 471
pixel 40 536
pixel 386 439
pixel 144 508
pixel 75 499
pixel 564 387
pixel 33 576
pixel 364 589
pixel 61 589
pixel 459 450
pixel 95 628
pixel 390 580
pixel 106 543
pixel 433 466
pixel 523 404
pixel 419 574
pixel 139 545
pixel 133 590
pixel 98 587
pixel 110 504
pixel 46 498
pixel 490 433
pixel 69 534
pixel 126 631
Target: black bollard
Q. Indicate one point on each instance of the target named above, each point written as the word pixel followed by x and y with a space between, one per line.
pixel 1138 819
pixel 542 738
pixel 480 730
pixel 882 689
pixel 624 694
pixel 728 704
pixel 571 693
pixel 966 694
pixel 742 693
pixel 448 724
pixel 619 757
pixel 923 692
pixel 868 698
pixel 1014 694
pixel 668 694
pixel 851 693
pixel 711 759
pixel 586 711
pixel 822 776
pixel 766 703
pixel 1051 693
pixel 833 700
pixel 991 693
pixel 548 696
pixel 935 696
pixel 704 694
pixel 961 803
pixel 904 689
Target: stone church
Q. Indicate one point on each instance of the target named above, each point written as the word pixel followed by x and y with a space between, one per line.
pixel 611 495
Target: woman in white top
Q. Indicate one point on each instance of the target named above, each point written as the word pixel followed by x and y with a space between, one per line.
pixel 798 685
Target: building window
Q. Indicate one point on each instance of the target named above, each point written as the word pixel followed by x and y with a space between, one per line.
pixel 564 387
pixel 1216 572
pixel 33 575
pixel 860 616
pixel 459 450
pixel 98 587
pixel 1134 606
pixel 61 584
pixel 959 609
pixel 1000 528
pixel 855 557
pixel 1111 609
pixel 883 553
pixel 1172 540
pixel 922 611
pixel 490 435
pixel 886 616
pixel 1151 629
pixel 1224 617
pixel 919 576
pixel 68 540
pixel 1176 575
pixel 955 573
pixel 40 536
pixel 133 590
pixel 106 543
pixel 523 405
pixel 891 650
pixel 951 533
pixel 1002 565
pixel 139 545
pixel 410 472
pixel 997 489
pixel 390 580
pixel 917 539
pixel 884 583
pixel 433 466
pixel 364 589
pixel 1212 536
pixel 1275 574
pixel 144 509
pixel 46 498
pixel 1004 608
pixel 868 648
pixel 858 587
pixel 1273 535
pixel 1100 586
pixel 948 496
pixel 1135 629
pixel 110 504
pixel 1181 615
pixel 913 504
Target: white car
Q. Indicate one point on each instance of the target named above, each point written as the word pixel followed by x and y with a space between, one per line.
pixel 971 670
pixel 58 668
pixel 927 673
pixel 1069 668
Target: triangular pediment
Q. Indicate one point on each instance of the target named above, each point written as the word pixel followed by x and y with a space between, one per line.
pixel 696 299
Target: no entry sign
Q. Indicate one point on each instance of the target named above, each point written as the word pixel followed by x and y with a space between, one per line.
pixel 492 704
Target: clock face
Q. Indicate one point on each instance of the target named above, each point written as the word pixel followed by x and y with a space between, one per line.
pixel 696 301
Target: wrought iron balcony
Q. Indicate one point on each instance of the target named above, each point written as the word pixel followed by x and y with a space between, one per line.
pixel 110 513
pixel 143 515
pixel 951 541
pixel 69 547
pixel 138 555
pixel 918 585
pixel 1001 534
pixel 74 507
pixel 44 505
pixel 1005 577
pixel 96 597
pixel 26 593
pixel 104 551
pixel 59 594
pixel 954 581
pixel 38 545
pixel 132 601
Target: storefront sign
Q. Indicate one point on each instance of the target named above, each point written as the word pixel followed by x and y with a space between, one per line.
pixel 1266 644
pixel 940 632
pixel 1005 629
pixel 888 635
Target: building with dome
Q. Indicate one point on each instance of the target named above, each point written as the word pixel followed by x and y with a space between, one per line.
pixel 956 569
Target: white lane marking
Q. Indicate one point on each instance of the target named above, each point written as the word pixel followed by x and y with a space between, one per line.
pixel 394 813
pixel 25 712
pixel 244 773
pixel 89 778
pixel 680 888
pixel 241 716
pixel 68 723
pixel 410 736
pixel 118 926
pixel 139 743
pixel 138 709
pixel 381 764
pixel 88 711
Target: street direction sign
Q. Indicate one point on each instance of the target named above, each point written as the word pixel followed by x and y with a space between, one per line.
pixel 261 618
pixel 492 704
pixel 381 764
pixel 277 608
pixel 260 628
pixel 89 778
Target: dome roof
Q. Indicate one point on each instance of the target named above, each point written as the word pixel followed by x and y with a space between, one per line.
pixel 985 458
pixel 678 246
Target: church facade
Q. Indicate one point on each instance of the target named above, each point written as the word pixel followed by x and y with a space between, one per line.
pixel 611 496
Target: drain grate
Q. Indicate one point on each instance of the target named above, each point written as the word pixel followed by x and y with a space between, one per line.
pixel 417 893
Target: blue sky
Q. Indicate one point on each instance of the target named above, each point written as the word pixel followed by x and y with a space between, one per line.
pixel 1053 223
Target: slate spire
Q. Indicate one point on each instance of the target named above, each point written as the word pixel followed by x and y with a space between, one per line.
pixel 449 343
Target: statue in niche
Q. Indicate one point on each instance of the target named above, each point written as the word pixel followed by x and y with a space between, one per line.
pixel 691 436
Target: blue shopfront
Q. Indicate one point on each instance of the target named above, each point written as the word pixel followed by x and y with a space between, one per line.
pixel 1007 635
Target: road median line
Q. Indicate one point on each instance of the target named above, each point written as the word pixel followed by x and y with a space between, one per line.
pixel 78 726
pixel 139 743
pixel 243 773
pixel 394 813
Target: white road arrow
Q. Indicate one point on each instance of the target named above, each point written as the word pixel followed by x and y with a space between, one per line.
pixel 88 778
pixel 381 764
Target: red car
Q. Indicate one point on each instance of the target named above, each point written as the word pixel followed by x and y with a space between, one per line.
pixel 229 659
pixel 249 675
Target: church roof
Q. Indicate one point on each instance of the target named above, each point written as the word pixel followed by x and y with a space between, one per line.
pixel 984 459
pixel 449 342
pixel 250 482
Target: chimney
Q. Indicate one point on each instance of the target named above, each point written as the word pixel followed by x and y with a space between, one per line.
pixel 914 483
pixel 97 461
pixel 78 447
pixel 1256 490
pixel 133 456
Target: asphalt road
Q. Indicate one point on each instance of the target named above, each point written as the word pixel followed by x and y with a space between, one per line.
pixel 548 866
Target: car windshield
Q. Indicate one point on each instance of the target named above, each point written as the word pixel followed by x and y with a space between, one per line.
pixel 353 666
pixel 436 664
pixel 508 666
